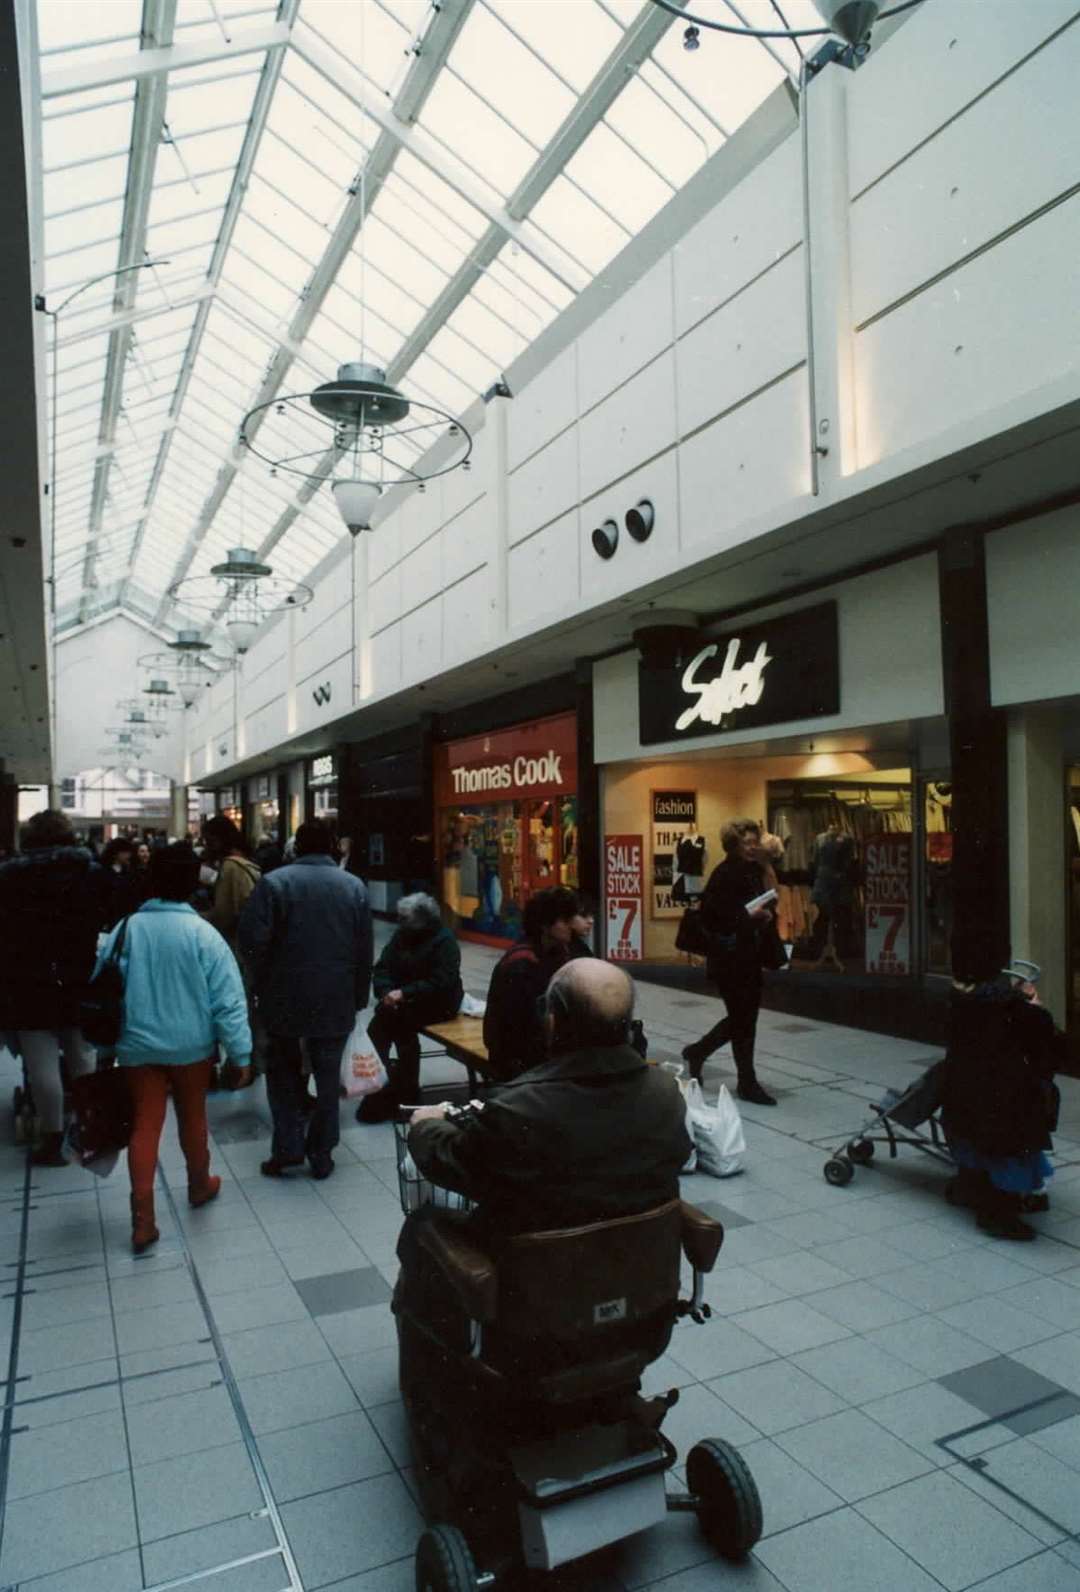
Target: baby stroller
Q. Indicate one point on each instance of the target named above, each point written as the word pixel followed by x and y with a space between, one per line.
pixel 533 1445
pixel 908 1117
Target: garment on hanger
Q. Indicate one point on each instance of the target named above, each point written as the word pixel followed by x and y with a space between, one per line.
pixel 690 855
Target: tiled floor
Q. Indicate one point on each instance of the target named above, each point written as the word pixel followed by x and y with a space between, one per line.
pixel 223 1411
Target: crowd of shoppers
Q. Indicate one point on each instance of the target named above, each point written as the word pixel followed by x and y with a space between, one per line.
pixel 214 952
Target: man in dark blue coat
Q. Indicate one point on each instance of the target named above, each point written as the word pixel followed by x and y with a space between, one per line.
pixel 305 940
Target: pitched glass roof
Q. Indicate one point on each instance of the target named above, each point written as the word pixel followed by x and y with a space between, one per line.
pixel 430 185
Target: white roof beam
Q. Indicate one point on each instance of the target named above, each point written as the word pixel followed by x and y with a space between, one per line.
pixel 158 22
pixel 419 80
pixel 128 318
pixel 159 62
pixel 260 110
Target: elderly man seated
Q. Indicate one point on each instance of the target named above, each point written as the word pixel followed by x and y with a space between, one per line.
pixel 591 1133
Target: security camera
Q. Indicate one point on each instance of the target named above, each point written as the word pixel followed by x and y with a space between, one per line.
pixel 665 637
pixel 691 39
pixel 605 539
pixel 640 520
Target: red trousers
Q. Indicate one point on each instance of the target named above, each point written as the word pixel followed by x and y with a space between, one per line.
pixel 150 1088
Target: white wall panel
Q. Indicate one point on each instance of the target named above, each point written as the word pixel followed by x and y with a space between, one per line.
pixel 421 575
pixel 267 648
pixel 1032 578
pixel 543 575
pixel 259 689
pixel 462 487
pixel 635 563
pixel 385 662
pixel 321 646
pixel 384 546
pixel 469 617
pixel 544 487
pixel 976 178
pixel 197 762
pixel 753 339
pixel 468 542
pixel 543 408
pixel 637 327
pixel 989 332
pixel 331 592
pixel 421 642
pixel 421 515
pixel 630 426
pixel 338 676
pixel 938 62
pixel 745 233
pixel 753 459
pixel 384 600
pixel 265 728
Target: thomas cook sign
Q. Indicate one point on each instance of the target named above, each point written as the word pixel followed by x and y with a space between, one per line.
pixel 775 673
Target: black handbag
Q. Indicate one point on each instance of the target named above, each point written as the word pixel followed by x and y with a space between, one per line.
pixel 102 1118
pixel 101 1010
pixel 692 935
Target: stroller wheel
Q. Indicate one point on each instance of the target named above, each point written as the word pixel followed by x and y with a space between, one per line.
pixel 838 1172
pixel 444 1562
pixel 861 1151
pixel 728 1502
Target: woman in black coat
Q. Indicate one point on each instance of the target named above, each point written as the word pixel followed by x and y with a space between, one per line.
pixel 1000 1099
pixel 416 981
pixel 735 955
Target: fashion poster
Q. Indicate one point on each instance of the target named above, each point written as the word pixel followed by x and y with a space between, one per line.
pixel 674 818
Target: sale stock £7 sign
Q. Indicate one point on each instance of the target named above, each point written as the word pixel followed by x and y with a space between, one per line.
pixel 888 904
pixel 624 886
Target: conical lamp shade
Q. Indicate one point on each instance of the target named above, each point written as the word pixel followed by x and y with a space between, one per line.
pixel 242 632
pixel 356 501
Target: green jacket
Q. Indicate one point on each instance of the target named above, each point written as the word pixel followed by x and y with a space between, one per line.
pixel 424 969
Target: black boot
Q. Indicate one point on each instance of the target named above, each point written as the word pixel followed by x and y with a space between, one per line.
pixel 999 1215
pixel 751 1091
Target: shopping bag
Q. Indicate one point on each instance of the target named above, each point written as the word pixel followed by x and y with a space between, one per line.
pixel 691 934
pixel 717 1132
pixel 102 1119
pixel 362 1073
pixel 471 1007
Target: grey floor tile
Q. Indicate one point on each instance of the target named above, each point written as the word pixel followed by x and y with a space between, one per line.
pixel 1049 1299
pixel 373 1375
pixel 238 1273
pixel 811 1229
pixel 160 1327
pixel 926 1240
pixel 117 1572
pixel 343 1290
pixel 316 1260
pixel 842 1550
pixel 1011 1392
pixel 946 1528
pixel 286 1399
pixel 791 1326
pixel 260 1350
pixel 57 1306
pixel 1036 1477
pixel 68 1526
pixel 858 1371
pixel 790 1493
pixel 755 1242
pixel 259 1307
pixel 927 1287
pixel 1000 1324
pixel 717 1576
pixel 56 1348
pixel 736 1288
pixel 149 1363
pixel 353 1331
pixel 57 1456
pixel 354 1528
pixel 393 1429
pixel 852 1455
pixel 323 1454
pixel 178 1495
pixel 801 1274
pixel 192 1377
pixel 922 1415
pixel 400 1576
pixel 861 1306
pixel 715 1348
pixel 1057 1358
pixel 929 1344
pixel 194 1551
pixel 702 1412
pixel 1047 1572
pixel 777 1396
pixel 185 1423
pixel 649 1558
pixel 861 1256
pixel 145 1289
pixel 1062 1439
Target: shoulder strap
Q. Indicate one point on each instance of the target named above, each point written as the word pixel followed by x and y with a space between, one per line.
pixel 118 945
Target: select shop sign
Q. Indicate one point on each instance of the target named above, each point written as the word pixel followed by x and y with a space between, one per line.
pixel 776 673
pixel 530 760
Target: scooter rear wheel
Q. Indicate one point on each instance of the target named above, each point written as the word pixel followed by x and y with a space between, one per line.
pixel 444 1562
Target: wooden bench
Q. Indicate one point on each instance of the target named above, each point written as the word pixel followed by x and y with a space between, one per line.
pixel 462 1039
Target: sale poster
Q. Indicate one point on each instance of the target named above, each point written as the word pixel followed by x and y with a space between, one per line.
pixel 888 904
pixel 624 890
pixel 674 815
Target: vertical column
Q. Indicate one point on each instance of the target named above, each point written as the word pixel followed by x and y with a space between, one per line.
pixel 361 636
pixel 430 818
pixel 497 418
pixel 178 810
pixel 1037 878
pixel 977 745
pixel 589 818
pixel 830 336
pixel 9 811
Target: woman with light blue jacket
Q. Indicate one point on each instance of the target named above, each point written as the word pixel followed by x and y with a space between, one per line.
pixel 182 995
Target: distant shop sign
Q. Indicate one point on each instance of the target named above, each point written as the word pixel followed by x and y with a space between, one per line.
pixel 529 760
pixel 322 770
pixel 776 673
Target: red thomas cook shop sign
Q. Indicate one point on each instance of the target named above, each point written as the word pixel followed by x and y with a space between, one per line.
pixel 529 760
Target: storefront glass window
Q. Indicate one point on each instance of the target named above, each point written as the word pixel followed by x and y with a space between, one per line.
pixel 483 872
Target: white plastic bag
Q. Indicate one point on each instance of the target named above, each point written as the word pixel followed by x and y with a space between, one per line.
pixel 362 1073
pixel 471 1007
pixel 717 1132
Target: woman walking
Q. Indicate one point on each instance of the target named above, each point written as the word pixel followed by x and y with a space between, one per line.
pixel 734 959
pixel 237 875
pixel 182 994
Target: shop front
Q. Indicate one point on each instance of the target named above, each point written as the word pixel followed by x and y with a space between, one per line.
pixel 386 814
pixel 506 823
pixel 321 787
pixel 794 719
pixel 229 804
pixel 262 813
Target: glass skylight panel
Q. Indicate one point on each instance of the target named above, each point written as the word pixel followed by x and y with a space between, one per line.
pixel 447 390
pixel 472 131
pixel 80 227
pixel 100 131
pixel 728 81
pixel 73 25
pixel 655 116
pixel 575 40
pixel 617 179
pixel 371 37
pixel 579 226
pixel 501 68
pixel 494 338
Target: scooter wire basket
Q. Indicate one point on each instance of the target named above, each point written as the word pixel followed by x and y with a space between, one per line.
pixel 416 1191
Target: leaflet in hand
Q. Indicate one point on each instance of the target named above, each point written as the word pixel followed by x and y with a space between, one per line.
pixel 762 900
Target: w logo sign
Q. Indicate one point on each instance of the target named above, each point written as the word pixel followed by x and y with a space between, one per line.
pixel 321 694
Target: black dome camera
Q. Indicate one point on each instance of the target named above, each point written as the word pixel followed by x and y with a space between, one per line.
pixel 605 539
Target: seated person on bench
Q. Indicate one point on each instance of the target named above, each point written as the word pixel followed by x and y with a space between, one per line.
pixel 590 1134
pixel 513 1029
pixel 416 981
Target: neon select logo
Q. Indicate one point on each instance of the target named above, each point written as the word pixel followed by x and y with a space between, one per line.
pixel 736 686
pixel 321 694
